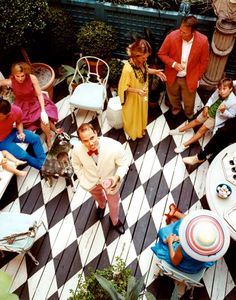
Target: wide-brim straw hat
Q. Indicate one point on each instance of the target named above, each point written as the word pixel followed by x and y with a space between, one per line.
pixel 204 235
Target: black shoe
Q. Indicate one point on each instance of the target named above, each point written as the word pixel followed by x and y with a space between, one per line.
pixel 119 227
pixel 100 212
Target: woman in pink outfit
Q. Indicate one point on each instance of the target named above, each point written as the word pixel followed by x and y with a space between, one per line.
pixel 38 110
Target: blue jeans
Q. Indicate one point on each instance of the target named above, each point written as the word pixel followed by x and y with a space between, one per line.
pixel 9 144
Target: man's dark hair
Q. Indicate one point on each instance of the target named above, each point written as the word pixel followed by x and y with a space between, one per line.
pixel 5 106
pixel 84 127
pixel 190 21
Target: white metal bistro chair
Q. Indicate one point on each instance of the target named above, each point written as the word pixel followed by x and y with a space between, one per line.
pixel 190 280
pixel 91 94
pixel 18 232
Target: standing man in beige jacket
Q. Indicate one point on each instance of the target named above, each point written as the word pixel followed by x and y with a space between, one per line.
pixel 100 164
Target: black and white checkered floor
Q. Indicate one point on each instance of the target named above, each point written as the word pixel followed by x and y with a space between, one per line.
pixel 76 242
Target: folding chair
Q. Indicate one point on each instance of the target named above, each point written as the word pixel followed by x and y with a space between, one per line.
pixel 92 92
pixel 190 280
pixel 18 232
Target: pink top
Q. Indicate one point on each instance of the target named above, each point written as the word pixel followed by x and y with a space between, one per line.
pixel 27 100
pixel 6 125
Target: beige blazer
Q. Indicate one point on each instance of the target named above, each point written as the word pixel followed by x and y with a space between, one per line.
pixel 112 160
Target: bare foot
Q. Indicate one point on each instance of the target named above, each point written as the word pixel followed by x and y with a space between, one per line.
pixel 21 173
pixel 19 162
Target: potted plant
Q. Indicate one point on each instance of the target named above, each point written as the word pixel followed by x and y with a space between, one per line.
pixel 90 288
pixel 113 282
pixel 116 66
pixel 5 284
pixel 134 289
pixel 66 72
pixel 96 38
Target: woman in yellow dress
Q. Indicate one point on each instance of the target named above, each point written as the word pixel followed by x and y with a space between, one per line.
pixel 133 88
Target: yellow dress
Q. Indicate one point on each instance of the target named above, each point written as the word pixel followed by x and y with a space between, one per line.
pixel 134 107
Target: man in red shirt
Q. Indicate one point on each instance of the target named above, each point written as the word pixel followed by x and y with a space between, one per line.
pixel 12 132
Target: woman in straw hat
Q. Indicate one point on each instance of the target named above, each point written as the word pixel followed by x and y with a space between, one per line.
pixel 193 242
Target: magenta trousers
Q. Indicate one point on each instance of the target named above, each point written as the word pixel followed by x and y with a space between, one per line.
pixel 100 195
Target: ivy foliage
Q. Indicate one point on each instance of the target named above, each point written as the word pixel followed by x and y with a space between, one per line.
pixel 201 7
pixel 21 20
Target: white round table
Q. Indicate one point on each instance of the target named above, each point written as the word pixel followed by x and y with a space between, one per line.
pixel 216 175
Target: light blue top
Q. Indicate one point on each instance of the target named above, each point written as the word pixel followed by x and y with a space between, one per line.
pixel 161 250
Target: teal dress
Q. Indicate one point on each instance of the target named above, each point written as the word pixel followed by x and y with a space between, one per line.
pixel 161 250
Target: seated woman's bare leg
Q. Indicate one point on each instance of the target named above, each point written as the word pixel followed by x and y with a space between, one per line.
pixel 46 129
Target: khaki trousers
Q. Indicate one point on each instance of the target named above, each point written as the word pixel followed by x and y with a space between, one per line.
pixel 178 92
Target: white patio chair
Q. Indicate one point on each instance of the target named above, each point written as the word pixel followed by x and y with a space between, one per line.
pixel 190 280
pixel 92 92
pixel 18 232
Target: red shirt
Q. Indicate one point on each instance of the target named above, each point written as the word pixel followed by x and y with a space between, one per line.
pixel 6 126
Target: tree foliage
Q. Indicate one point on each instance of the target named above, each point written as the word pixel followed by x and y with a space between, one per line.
pixel 21 20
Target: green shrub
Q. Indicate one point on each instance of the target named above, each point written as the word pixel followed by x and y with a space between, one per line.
pixel 58 41
pixel 116 66
pixel 90 289
pixel 96 38
pixel 21 21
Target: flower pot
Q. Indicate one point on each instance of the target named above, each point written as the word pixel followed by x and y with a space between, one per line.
pixel 46 76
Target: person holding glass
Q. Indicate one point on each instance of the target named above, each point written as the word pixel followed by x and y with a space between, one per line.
pixel 133 88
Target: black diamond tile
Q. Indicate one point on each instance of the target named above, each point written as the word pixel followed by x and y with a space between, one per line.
pixel 67 263
pixel 85 216
pixel 116 134
pixel 57 208
pixel 42 252
pixel 143 227
pixel 99 262
pixel 6 257
pixel 165 150
pixel 204 203
pixel 176 121
pixel 55 296
pixel 32 199
pixel 162 288
pixel 67 125
pixel 23 291
pixel 184 195
pixel 156 188
pixel 231 295
pixel 134 266
pixel 140 146
pixel 198 293
pixel 10 194
pixel 229 258
pixel 153 113
pixel 131 181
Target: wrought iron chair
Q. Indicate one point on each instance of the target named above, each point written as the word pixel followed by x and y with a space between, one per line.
pixel 18 233
pixel 91 94
pixel 190 280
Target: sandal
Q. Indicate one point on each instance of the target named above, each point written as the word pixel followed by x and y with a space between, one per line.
pixel 171 217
